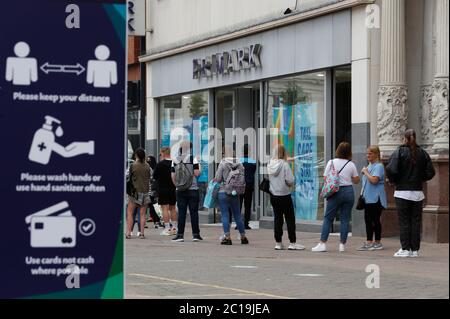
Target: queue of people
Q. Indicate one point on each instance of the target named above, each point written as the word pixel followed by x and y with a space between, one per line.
pixel 175 178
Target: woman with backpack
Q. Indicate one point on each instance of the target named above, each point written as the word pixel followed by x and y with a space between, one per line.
pixel 230 175
pixel 281 180
pixel 343 199
pixel 408 168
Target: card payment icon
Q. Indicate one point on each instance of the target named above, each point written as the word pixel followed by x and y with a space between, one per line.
pixel 53 227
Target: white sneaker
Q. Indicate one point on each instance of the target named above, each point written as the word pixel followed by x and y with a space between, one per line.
pixel 166 232
pixel 278 246
pixel 402 253
pixel 341 247
pixel 294 246
pixel 319 247
pixel 138 234
pixel 414 254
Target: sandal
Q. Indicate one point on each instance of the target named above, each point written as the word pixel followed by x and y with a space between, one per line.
pixel 141 237
pixel 127 236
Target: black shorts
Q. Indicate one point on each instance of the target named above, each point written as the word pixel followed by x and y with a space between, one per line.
pixel 167 197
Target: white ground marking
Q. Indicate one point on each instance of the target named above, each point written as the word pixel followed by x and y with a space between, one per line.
pixel 240 291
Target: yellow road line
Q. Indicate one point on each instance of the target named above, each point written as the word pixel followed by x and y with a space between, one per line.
pixel 211 286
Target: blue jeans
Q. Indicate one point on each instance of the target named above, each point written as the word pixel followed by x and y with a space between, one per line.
pixel 343 200
pixel 187 199
pixel 228 203
pixel 137 218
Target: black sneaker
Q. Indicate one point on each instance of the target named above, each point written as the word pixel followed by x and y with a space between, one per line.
pixel 196 238
pixel 226 241
pixel 247 227
pixel 178 238
pixel 244 240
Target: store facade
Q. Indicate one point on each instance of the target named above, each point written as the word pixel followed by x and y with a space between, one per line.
pixel 322 72
pixel 296 79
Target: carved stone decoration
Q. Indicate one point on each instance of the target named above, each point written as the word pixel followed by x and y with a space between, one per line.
pixel 425 115
pixel 440 113
pixel 392 115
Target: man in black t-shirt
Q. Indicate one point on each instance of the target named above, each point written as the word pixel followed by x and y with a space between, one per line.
pixel 166 190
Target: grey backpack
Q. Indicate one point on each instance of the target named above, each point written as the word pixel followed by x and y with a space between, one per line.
pixel 235 182
pixel 183 177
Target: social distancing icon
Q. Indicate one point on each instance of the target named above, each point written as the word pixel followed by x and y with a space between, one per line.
pixel 23 70
pixel 101 72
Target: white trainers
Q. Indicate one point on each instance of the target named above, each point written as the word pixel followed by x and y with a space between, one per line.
pixel 414 254
pixel 294 246
pixel 341 247
pixel 166 232
pixel 278 246
pixel 319 247
pixel 402 253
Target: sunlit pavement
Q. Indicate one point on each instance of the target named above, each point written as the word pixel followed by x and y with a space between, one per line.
pixel 155 267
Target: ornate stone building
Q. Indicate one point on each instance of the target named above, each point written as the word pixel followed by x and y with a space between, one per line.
pixel 414 80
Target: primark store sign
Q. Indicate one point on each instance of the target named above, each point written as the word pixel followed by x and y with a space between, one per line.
pixel 227 62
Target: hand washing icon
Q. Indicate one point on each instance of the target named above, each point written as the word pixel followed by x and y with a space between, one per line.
pixel 44 144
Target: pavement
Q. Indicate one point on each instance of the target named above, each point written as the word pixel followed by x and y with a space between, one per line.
pixel 156 268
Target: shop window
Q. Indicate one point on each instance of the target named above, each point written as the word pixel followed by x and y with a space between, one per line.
pixel 186 118
pixel 295 106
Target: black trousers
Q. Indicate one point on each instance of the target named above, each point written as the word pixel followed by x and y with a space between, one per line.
pixel 372 218
pixel 247 199
pixel 410 222
pixel 282 205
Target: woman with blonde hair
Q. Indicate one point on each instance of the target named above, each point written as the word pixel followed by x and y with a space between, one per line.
pixel 281 181
pixel 375 198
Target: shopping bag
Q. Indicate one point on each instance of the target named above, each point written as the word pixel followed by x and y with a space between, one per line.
pixel 211 195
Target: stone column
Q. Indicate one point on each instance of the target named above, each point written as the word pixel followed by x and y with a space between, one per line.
pixel 393 93
pixel 440 83
pixel 426 88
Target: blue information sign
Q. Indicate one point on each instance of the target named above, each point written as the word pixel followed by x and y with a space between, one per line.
pixel 62 125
